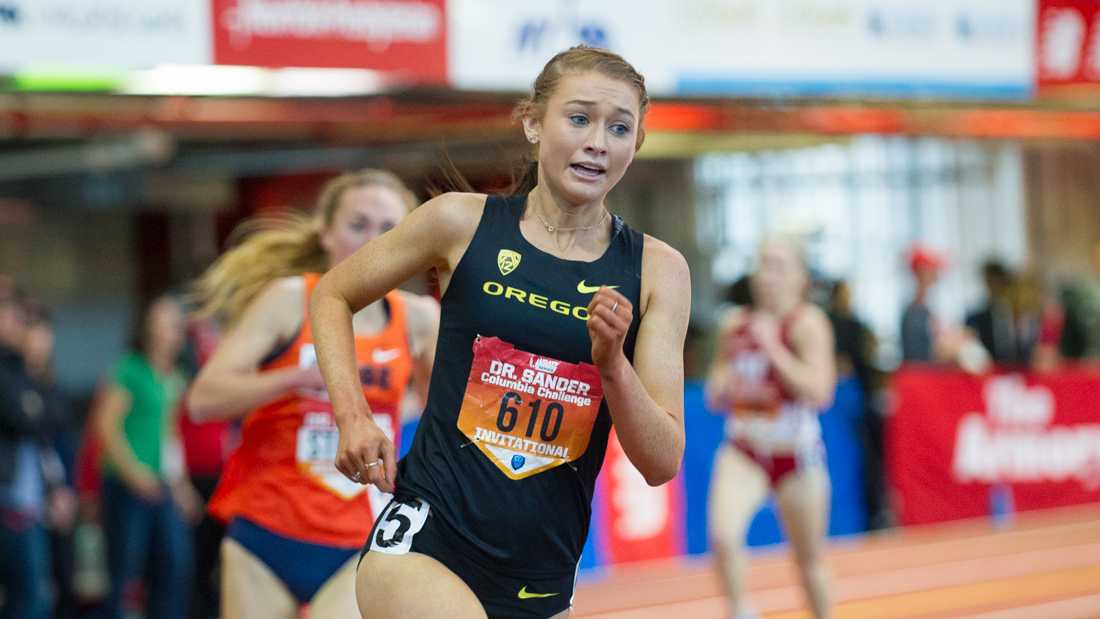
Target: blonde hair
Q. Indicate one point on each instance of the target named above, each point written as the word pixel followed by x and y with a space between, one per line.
pixel 793 242
pixel 267 248
pixel 579 59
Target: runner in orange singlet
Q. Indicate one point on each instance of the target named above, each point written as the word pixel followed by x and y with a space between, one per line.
pixel 294 522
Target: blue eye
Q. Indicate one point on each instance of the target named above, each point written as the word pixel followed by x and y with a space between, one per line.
pixel 619 129
pixel 579 120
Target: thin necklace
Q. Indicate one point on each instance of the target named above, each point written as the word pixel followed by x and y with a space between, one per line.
pixel 552 228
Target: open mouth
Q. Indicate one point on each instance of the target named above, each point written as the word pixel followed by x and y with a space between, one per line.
pixel 587 170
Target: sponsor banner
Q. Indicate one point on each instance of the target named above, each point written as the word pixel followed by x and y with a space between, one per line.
pixel 640 522
pixel 503 44
pixel 407 37
pixel 103 34
pixel 890 48
pixel 953 438
pixel 1068 42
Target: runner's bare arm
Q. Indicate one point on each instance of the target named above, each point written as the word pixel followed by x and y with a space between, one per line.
pixel 720 377
pixel 229 384
pixel 432 235
pixel 423 312
pixel 810 369
pixel 108 413
pixel 647 400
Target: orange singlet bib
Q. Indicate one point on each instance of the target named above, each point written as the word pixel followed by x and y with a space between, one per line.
pixel 528 413
pixel 283 475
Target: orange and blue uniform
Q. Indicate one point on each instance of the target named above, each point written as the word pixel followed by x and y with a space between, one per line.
pixel 282 481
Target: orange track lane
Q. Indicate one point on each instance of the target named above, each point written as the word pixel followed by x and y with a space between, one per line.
pixel 1045 566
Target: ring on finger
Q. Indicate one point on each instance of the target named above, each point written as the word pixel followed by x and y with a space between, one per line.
pixel 614 307
pixel 371 465
pixel 358 476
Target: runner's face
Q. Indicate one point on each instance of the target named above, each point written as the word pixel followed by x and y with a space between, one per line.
pixel 586 136
pixel 364 214
pixel 780 278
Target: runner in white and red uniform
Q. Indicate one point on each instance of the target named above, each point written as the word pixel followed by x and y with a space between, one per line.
pixel 773 373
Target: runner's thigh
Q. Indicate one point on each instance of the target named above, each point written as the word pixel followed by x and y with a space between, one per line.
pixel 336 598
pixel 412 586
pixel 738 488
pixel 250 588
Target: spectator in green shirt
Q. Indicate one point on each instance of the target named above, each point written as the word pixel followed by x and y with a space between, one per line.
pixel 146 496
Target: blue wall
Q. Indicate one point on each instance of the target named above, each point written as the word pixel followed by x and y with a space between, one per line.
pixel 705 433
pixel 845 460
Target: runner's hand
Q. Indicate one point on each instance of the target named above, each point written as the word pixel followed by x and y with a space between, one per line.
pixel 309 378
pixel 361 443
pixel 609 318
pixel 61 509
pixel 765 329
pixel 188 500
pixel 723 392
pixel 144 483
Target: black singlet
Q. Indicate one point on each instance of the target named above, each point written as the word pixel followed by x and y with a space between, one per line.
pixel 516 483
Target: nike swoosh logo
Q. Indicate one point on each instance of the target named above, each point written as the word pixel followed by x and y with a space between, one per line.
pixel 385 356
pixel 524 595
pixel 584 288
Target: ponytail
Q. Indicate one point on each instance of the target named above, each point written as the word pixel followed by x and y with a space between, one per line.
pixel 525 176
pixel 265 249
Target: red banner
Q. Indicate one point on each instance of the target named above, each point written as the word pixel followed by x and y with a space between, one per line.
pixel 952 436
pixel 640 522
pixel 1068 42
pixel 406 37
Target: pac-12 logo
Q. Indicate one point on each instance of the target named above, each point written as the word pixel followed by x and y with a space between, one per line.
pixel 507 261
pixel 545 365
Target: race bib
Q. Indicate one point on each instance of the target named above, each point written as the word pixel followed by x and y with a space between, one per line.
pixel 528 413
pixel 318 440
pixel 755 395
pixel 757 403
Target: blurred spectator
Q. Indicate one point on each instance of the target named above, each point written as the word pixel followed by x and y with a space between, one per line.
pixel 922 338
pixel 38 347
pixel 1045 357
pixel 740 292
pixel 855 351
pixel 32 491
pixel 1080 336
pixel 917 323
pixel 146 497
pixel 1008 324
pixel 855 344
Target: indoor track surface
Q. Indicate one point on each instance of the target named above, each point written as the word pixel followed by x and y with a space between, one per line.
pixel 1042 565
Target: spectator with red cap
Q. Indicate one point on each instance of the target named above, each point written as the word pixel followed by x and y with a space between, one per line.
pixel 917 322
pixel 923 340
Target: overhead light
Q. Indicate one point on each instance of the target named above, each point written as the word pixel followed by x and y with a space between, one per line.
pixel 194 80
pixel 296 82
pixel 222 80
